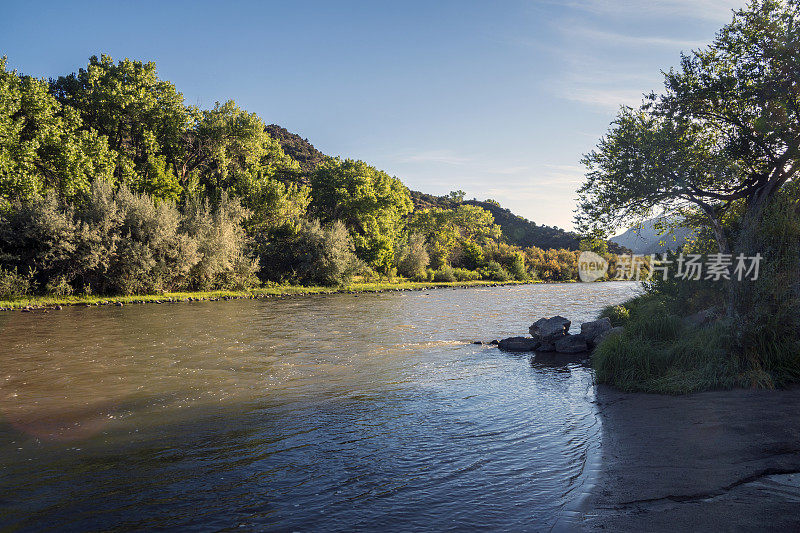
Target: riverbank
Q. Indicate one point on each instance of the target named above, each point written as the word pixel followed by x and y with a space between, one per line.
pixel 271 291
pixel 723 460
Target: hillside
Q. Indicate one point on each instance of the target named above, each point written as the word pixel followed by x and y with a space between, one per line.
pixel 517 230
pixel 647 239
pixel 297 148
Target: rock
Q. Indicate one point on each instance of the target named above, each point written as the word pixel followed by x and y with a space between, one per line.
pixel 546 347
pixel 548 330
pixel 518 344
pixel 572 344
pixel 495 342
pixel 477 342
pixel 118 304
pixel 613 331
pixel 702 318
pixel 58 308
pixel 591 330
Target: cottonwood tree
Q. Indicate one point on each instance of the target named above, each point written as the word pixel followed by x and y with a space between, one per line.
pixel 725 133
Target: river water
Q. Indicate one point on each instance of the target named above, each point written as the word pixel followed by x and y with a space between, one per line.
pixel 332 413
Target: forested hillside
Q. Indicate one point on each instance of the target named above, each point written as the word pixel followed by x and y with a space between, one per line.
pixel 110 183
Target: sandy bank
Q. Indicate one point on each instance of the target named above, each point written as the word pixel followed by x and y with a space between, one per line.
pixel 717 461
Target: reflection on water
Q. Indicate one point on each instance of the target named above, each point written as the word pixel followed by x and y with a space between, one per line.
pixel 327 412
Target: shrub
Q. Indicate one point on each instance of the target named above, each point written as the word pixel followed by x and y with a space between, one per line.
pixel 471 255
pixel 618 314
pixel 151 253
pixel 221 243
pixel 14 285
pixel 413 257
pixel 308 253
pixel 445 274
pixel 517 268
pixel 495 272
pixel 462 274
pixel 39 236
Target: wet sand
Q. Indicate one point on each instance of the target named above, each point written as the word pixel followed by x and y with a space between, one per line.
pixel 722 461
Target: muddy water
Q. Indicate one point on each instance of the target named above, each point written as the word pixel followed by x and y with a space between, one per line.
pixel 327 413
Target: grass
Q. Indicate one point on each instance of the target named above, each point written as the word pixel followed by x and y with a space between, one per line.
pixel 659 353
pixel 272 290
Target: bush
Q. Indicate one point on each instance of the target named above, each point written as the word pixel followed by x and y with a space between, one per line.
pixel 413 258
pixel 39 236
pixel 495 272
pixel 308 254
pixel 14 285
pixel 618 314
pixel 517 268
pixel 222 244
pixel 121 242
pixel 443 275
pixel 462 274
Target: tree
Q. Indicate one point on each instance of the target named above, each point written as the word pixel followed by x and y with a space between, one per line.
pixel 444 229
pixel 42 143
pixel 142 116
pixel 371 204
pixel 723 138
pixel 726 129
pixel 456 196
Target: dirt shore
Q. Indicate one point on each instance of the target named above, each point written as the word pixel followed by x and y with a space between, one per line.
pixel 714 461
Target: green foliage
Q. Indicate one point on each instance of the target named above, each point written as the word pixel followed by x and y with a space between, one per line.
pixel 222 245
pixel 618 314
pixel 472 256
pixel 445 274
pixel 122 242
pixel 42 145
pixel 413 258
pixel 110 184
pixel 142 116
pixel 462 274
pixel 308 254
pixel 444 229
pixel 14 285
pixel 494 271
pixel 371 204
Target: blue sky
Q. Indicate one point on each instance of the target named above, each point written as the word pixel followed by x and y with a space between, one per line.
pixel 499 99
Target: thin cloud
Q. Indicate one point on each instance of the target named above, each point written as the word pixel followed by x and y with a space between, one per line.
pixel 711 10
pixel 434 156
pixel 635 40
pixel 605 99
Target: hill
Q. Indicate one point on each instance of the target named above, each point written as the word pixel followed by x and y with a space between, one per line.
pixel 648 239
pixel 297 148
pixel 517 230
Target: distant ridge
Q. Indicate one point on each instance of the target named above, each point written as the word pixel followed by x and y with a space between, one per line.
pixel 647 239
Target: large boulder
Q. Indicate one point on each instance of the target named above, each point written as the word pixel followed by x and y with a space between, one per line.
pixel 518 344
pixel 549 330
pixel 572 344
pixel 613 331
pixel 591 330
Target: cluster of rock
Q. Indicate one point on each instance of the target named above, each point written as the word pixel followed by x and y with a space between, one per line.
pixel 552 335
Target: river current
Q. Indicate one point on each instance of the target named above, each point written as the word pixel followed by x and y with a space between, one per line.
pixel 328 413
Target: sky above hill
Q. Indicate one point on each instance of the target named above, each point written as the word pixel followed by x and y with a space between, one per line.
pixel 499 99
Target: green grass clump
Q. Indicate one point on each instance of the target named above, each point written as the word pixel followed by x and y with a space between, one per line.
pixel 658 352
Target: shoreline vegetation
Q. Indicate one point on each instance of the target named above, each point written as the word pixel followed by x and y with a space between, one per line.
pixel 717 151
pixel 272 291
pixel 111 185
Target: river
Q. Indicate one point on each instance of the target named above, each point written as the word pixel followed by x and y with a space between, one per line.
pixel 336 413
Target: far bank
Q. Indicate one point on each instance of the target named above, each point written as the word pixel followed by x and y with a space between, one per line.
pixel 271 291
